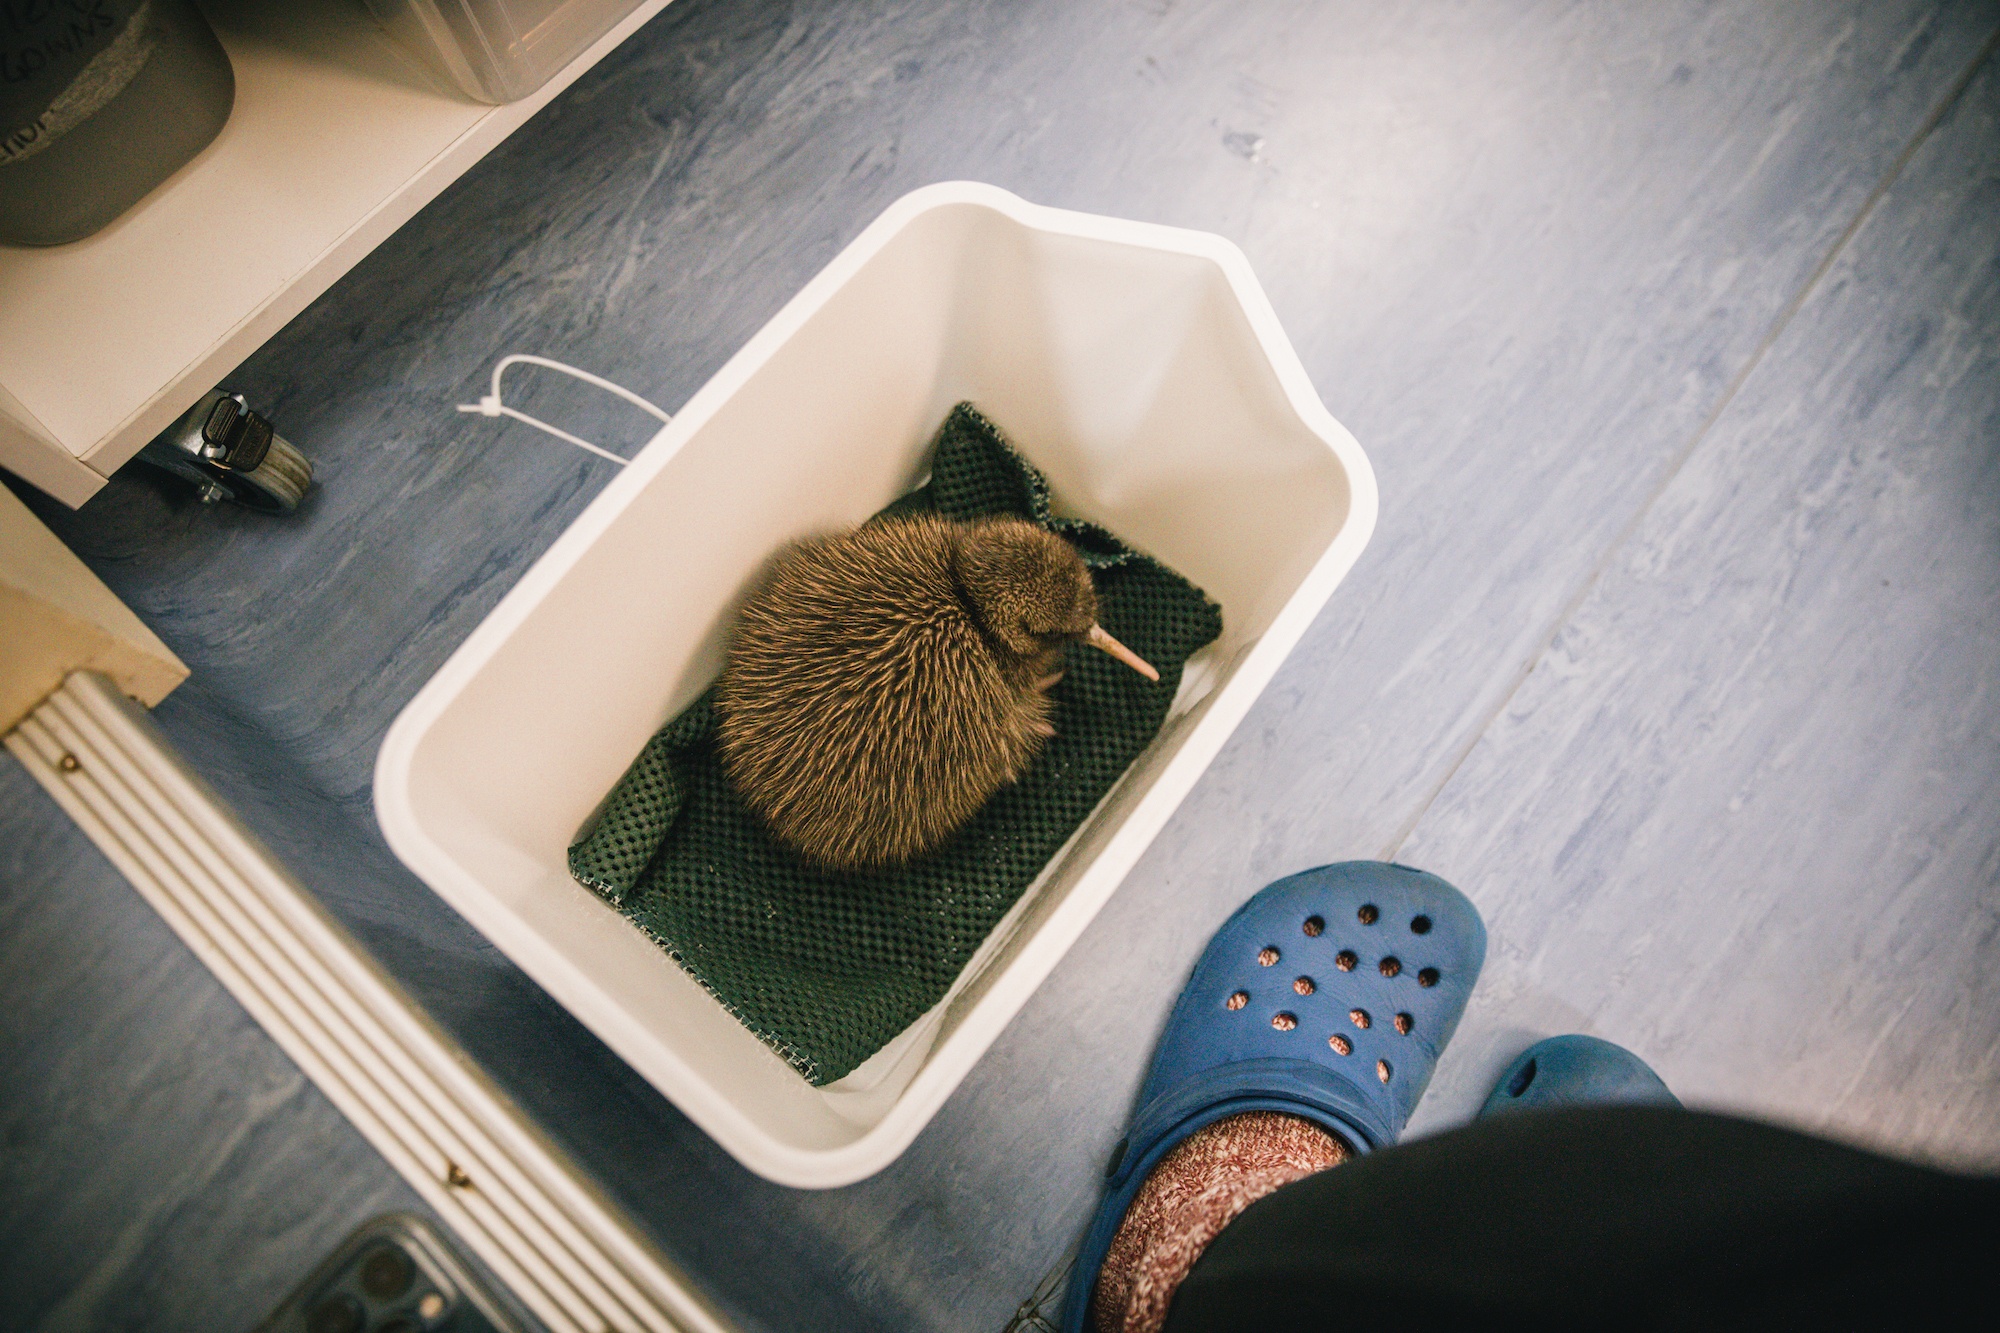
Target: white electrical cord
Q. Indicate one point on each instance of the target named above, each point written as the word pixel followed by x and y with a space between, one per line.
pixel 491 406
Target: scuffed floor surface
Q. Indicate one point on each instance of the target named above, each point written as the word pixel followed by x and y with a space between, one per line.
pixel 1671 330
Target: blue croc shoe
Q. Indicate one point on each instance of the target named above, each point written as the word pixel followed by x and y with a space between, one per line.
pixel 1327 996
pixel 1576 1071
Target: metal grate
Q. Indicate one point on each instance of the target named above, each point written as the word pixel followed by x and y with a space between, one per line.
pixel 457 1140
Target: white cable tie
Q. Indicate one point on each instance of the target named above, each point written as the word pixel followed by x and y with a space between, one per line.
pixel 490 405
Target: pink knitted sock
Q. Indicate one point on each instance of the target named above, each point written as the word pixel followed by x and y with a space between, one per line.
pixel 1196 1190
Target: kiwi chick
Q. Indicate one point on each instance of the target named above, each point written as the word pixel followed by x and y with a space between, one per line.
pixel 883 683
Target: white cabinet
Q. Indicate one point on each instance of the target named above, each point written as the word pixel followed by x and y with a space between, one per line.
pixel 337 139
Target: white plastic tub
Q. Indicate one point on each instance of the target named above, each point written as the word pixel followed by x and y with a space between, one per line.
pixel 1140 367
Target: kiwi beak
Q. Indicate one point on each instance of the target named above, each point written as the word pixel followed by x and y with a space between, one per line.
pixel 1098 638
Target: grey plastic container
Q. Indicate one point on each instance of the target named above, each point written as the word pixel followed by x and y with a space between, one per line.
pixel 98 108
pixel 499 50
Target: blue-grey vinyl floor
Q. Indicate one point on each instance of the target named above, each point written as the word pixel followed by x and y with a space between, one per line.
pixel 1673 332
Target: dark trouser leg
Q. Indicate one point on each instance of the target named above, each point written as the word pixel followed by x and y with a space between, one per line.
pixel 1618 1217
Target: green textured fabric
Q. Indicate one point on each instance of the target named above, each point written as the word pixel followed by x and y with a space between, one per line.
pixel 826 967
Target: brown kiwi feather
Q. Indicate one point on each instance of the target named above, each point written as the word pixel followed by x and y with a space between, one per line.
pixel 881 684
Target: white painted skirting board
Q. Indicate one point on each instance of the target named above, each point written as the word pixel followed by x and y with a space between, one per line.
pixel 501 1186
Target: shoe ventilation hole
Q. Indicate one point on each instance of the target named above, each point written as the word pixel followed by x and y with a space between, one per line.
pixel 1304 986
pixel 1382 1070
pixel 1360 1017
pixel 1390 966
pixel 1314 925
pixel 1237 1001
pixel 1404 1023
pixel 1428 977
pixel 1284 1022
pixel 1345 960
pixel 1368 914
pixel 1267 956
pixel 1340 1044
pixel 1420 925
pixel 1522 1078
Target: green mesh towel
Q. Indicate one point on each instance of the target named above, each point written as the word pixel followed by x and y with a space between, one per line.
pixel 826 966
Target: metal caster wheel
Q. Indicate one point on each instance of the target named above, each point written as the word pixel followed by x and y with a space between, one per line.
pixel 231 453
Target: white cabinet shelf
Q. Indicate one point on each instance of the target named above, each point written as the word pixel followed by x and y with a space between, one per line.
pixel 336 140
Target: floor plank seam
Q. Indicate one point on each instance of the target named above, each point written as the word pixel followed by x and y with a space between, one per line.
pixel 1785 316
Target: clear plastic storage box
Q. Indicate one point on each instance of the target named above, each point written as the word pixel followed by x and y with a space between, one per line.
pixel 499 50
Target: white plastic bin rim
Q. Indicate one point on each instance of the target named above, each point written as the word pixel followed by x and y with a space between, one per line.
pixel 1139 366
